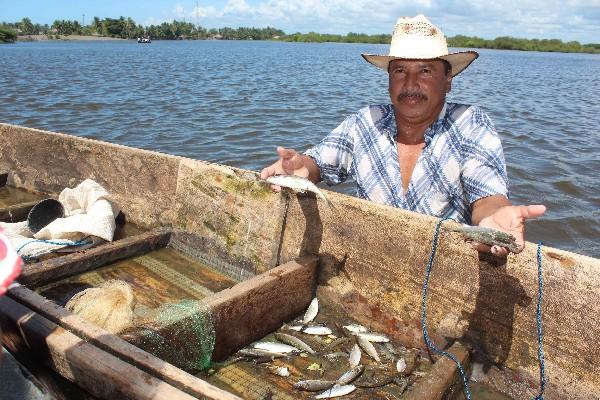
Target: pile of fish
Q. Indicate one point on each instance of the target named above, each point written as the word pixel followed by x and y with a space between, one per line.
pixel 398 366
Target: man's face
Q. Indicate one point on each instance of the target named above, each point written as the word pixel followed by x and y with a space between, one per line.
pixel 418 89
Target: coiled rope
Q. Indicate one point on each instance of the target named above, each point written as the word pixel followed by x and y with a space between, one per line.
pixel 461 370
pixel 56 243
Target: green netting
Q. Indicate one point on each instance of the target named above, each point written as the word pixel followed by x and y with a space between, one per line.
pixel 182 334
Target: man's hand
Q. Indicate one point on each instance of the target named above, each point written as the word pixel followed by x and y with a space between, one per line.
pixel 497 212
pixel 292 163
pixel 510 219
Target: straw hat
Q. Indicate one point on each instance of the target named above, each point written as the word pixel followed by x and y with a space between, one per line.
pixel 418 39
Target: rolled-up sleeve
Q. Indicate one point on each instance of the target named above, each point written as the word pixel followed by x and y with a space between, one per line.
pixel 483 171
pixel 334 153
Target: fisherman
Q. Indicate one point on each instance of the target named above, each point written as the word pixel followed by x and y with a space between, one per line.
pixel 420 152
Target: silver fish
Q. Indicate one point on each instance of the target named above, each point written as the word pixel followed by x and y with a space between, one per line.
pixel 275 347
pixel 336 391
pixel 294 341
pixel 297 328
pixel 350 375
pixel 317 330
pixel 368 348
pixel 297 184
pixel 355 356
pixel 401 365
pixel 355 328
pixel 489 236
pixel 311 312
pixel 374 337
pixel 259 353
pixel 281 371
pixel 313 385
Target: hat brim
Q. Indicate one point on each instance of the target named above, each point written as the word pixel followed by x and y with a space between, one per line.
pixel 458 61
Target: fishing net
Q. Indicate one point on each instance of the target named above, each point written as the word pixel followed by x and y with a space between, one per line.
pixel 182 334
pixel 110 305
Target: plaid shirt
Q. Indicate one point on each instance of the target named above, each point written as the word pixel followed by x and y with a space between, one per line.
pixel 462 161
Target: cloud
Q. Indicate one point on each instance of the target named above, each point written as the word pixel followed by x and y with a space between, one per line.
pixel 570 20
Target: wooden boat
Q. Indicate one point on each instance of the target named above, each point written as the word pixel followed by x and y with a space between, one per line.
pixel 367 258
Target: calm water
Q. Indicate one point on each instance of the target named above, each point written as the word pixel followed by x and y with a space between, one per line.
pixel 233 102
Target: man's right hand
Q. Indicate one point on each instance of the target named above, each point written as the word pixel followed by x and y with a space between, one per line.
pixel 290 163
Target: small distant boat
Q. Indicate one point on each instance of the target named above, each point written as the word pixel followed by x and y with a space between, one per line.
pixel 144 40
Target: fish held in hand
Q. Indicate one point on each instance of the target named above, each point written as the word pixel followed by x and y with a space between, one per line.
pixel 298 184
pixel 489 236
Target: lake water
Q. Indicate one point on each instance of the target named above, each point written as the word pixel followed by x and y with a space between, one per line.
pixel 233 102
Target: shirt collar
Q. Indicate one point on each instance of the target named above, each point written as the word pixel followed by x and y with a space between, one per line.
pixel 388 124
pixel 435 127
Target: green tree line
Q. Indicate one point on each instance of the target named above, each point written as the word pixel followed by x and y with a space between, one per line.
pixel 127 28
pixel 503 43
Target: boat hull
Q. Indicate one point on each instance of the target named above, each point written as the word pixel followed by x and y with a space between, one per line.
pixel 372 258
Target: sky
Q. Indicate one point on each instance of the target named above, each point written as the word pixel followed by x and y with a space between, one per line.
pixel 542 19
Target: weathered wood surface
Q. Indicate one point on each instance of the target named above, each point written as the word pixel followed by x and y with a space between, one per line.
pixel 441 377
pixel 253 308
pixel 141 182
pixel 243 313
pixel 230 207
pixel 380 253
pixel 377 250
pixel 16 212
pixel 85 260
pixel 100 373
pixel 233 209
pixel 117 346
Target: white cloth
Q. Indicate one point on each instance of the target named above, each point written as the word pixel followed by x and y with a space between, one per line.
pixel 88 212
pixel 89 215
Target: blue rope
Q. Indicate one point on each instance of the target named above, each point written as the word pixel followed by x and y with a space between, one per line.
pixel 69 243
pixel 539 324
pixel 431 345
pixel 428 341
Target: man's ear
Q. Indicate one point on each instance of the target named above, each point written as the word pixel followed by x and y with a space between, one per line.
pixel 449 85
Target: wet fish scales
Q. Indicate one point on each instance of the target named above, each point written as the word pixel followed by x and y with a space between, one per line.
pixel 313 385
pixel 368 348
pixel 350 375
pixel 489 236
pixel 294 341
pixel 311 312
pixel 336 391
pixel 297 184
pixel 355 356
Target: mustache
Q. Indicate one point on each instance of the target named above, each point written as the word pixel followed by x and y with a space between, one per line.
pixel 411 93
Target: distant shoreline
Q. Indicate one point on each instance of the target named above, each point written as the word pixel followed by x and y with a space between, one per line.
pixel 38 38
